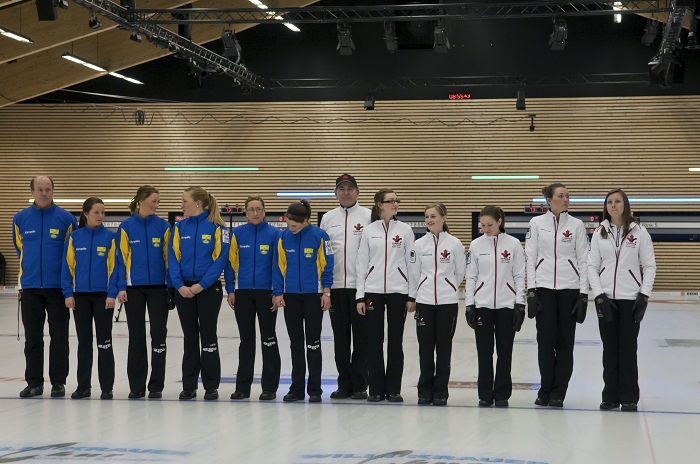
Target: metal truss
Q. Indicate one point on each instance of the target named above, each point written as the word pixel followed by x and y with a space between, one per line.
pixel 467 81
pixel 671 40
pixel 162 37
pixel 378 13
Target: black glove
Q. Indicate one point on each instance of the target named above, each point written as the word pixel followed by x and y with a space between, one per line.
pixel 604 306
pixel 471 316
pixel 171 298
pixel 640 307
pixel 518 316
pixel 580 308
pixel 533 303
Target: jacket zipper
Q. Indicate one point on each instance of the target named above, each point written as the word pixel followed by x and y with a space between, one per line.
pixel 435 239
pixel 194 257
pixel 41 247
pixel 345 249
pixel 635 279
pixel 495 269
pixel 299 261
pixel 92 239
pixel 255 254
pixel 148 258
pixel 386 251
pixel 618 249
pixel 556 236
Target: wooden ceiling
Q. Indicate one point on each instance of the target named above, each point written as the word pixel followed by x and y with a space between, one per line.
pixel 30 70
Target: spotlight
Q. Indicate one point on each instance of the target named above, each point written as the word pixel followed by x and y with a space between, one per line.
pixel 130 4
pixel 232 48
pixel 345 44
pixel 369 101
pixel 135 36
pixel 617 17
pixel 94 23
pixel 558 38
pixel 520 102
pixel 532 122
pixel 62 4
pixel 392 43
pixel 650 32
pixel 441 44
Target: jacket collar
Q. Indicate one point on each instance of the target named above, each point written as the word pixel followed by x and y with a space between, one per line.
pixel 53 206
pixel 608 225
pixel 201 216
pixel 562 216
pixel 262 225
pixel 140 219
pixel 351 209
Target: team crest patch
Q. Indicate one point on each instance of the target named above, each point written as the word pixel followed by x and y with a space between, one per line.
pixel 101 251
pixel 264 249
pixel 357 229
pixel 156 242
pixel 54 233
pixel 309 252
pixel 567 236
pixel 206 238
pixel 329 248
pixel 505 257
pixel 445 256
pixel 396 241
pixel 631 241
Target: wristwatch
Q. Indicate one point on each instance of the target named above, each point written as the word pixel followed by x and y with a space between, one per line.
pixel 328 294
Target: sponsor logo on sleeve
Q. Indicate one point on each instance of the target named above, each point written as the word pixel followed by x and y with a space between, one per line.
pixel 329 248
pixel 413 256
pixel 469 257
pixel 225 237
pixel 527 234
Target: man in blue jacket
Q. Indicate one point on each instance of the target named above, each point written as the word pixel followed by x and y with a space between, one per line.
pixel 39 233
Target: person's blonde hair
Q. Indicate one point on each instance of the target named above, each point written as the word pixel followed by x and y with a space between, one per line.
pixel 142 193
pixel 208 202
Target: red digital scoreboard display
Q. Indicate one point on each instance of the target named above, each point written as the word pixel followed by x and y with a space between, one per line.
pixel 459 96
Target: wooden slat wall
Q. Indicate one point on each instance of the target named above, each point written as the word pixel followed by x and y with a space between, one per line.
pixel 426 150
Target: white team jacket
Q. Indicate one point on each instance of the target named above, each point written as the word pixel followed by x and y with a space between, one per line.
pixel 437 269
pixel 614 263
pixel 383 258
pixel 556 253
pixel 495 272
pixel 344 226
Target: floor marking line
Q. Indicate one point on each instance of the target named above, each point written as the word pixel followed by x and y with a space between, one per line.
pixel 646 426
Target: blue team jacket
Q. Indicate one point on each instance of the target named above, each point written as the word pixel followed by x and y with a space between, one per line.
pixel 89 262
pixel 39 236
pixel 198 251
pixel 142 254
pixel 301 261
pixel 250 257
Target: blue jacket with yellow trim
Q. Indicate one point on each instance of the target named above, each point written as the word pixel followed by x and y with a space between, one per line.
pixel 142 253
pixel 39 236
pixel 89 262
pixel 303 262
pixel 250 257
pixel 198 251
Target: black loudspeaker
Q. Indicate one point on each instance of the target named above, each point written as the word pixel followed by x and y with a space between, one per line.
pixel 46 9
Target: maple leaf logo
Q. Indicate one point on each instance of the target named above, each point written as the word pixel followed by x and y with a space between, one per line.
pixel 397 239
pixel 631 239
pixel 567 234
pixel 358 226
pixel 505 254
pixel 445 254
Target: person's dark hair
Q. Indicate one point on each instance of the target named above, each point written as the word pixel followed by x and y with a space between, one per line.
pixel 548 191
pixel 378 198
pixel 31 182
pixel 627 217
pixel 142 193
pixel 441 210
pixel 87 207
pixel 208 202
pixel 249 199
pixel 497 213
pixel 299 211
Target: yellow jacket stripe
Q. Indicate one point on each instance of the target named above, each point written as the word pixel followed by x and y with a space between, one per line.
pixel 110 259
pixel 321 258
pixel 233 254
pixel 166 240
pixel 18 243
pixel 281 258
pixel 217 244
pixel 70 259
pixel 176 244
pixel 125 251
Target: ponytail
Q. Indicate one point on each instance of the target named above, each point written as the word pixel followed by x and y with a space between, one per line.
pixel 299 211
pixel 378 198
pixel 87 207
pixel 442 211
pixel 142 193
pixel 208 202
pixel 548 190
pixel 497 213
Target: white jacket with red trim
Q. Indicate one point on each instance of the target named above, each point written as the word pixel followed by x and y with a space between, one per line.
pixel 344 226
pixel 621 266
pixel 556 253
pixel 436 269
pixel 495 272
pixel 383 258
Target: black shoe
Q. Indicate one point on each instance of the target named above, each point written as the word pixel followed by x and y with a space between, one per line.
pixel 556 403
pixel 501 403
pixel 394 398
pixel 424 400
pixel 106 395
pixel 238 395
pixel 211 394
pixel 188 394
pixel 485 403
pixel 606 406
pixel 58 390
pixel 28 391
pixel 314 398
pixel 155 394
pixel 266 396
pixel 340 394
pixel 375 398
pixel 439 401
pixel 81 393
pixel 361 395
pixel 541 402
pixel 630 407
pixel 135 395
pixel 289 397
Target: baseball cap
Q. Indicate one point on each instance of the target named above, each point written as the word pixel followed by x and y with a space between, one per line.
pixel 346 178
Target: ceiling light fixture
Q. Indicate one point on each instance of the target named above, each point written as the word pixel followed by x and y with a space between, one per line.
pixel 94 23
pixel 305 194
pixel 128 79
pixel 650 32
pixel 507 177
pixel 85 63
pixel 442 43
pixel 617 17
pixel 558 38
pixel 632 200
pixel 345 44
pixel 14 35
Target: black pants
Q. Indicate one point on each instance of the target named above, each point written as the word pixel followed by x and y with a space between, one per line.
pixel 154 297
pixel 435 327
pixel 350 340
pixel 498 324
pixel 198 316
pixel 304 316
pixel 619 338
pixel 383 381
pixel 36 304
pixel 89 307
pixel 556 332
pixel 248 304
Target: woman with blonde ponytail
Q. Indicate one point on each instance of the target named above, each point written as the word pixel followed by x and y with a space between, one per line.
pixel 197 256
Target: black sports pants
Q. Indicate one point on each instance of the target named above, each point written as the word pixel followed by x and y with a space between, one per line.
pixel 350 340
pixel 304 317
pixel 619 337
pixel 385 382
pixel 89 307
pixel 435 327
pixel 496 323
